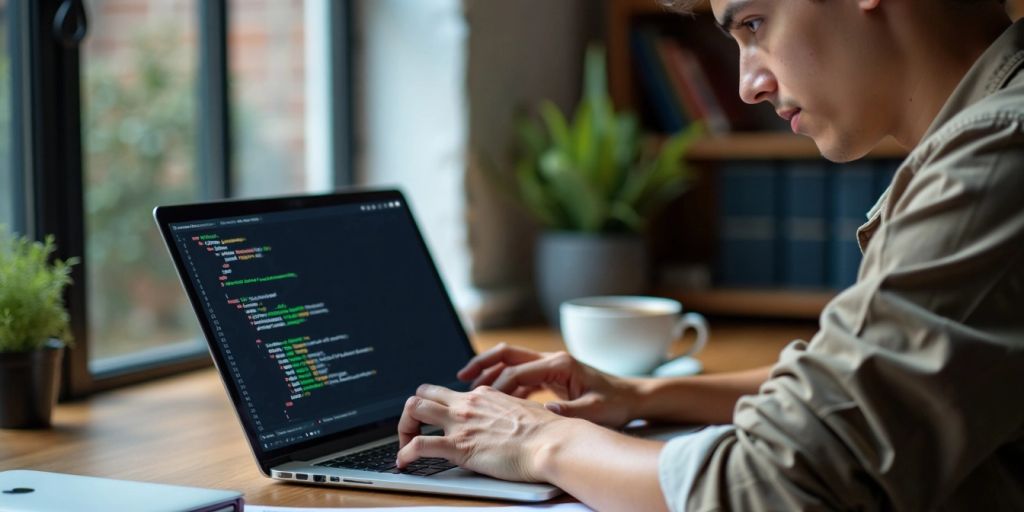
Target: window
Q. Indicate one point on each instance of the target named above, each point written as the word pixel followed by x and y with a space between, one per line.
pixel 134 115
pixel 138 65
pixel 270 58
pixel 7 197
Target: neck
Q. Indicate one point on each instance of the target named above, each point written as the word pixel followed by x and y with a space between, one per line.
pixel 939 51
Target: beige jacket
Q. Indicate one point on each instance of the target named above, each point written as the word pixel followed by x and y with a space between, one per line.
pixel 911 395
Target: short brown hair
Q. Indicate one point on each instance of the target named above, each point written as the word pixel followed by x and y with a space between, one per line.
pixel 687 6
pixel 682 6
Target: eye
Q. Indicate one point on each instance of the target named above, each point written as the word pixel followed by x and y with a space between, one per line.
pixel 753 24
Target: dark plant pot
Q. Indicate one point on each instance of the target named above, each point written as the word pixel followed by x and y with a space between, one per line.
pixel 29 383
pixel 570 265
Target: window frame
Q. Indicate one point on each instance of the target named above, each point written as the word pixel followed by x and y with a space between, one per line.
pixel 48 164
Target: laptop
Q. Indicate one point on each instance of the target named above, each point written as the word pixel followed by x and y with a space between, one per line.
pixel 40 491
pixel 323 314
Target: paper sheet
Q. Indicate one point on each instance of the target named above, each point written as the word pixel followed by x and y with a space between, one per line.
pixel 563 507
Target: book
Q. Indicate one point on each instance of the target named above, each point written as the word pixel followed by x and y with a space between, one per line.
pixel 747 248
pixel 667 111
pixel 803 224
pixel 853 193
pixel 692 86
pixel 668 53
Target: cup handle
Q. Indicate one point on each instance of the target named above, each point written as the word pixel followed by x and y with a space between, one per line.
pixel 698 323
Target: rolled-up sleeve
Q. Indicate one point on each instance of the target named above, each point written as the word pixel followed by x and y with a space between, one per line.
pixel 914 380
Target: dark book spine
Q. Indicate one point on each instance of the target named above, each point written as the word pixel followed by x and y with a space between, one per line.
pixel 748 225
pixel 804 224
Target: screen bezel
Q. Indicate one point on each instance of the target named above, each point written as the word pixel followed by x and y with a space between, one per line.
pixel 304 450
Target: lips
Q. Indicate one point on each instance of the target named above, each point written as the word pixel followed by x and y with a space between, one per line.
pixel 793 116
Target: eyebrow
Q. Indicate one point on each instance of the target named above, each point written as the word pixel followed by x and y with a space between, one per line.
pixel 727 24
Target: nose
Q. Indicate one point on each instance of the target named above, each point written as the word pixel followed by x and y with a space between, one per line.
pixel 757 83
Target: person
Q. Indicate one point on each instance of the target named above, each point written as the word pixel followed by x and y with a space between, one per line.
pixel 909 395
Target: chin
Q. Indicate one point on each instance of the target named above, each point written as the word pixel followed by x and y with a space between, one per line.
pixel 842 150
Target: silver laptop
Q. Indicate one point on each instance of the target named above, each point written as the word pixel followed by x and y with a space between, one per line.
pixel 39 491
pixel 323 314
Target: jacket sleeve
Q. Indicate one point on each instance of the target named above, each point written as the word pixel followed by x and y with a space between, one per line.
pixel 916 375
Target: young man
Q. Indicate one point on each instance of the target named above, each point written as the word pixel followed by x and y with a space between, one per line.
pixel 910 395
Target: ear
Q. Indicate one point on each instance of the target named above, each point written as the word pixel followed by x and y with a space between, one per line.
pixel 868 5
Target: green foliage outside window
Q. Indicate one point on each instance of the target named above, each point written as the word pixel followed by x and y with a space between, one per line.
pixel 139 131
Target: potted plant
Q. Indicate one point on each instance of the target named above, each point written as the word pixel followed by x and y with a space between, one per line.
pixel 595 182
pixel 33 320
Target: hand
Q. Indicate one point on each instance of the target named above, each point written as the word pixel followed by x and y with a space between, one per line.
pixel 584 392
pixel 485 431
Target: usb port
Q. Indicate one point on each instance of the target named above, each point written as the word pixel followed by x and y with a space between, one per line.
pixel 282 474
pixel 302 476
pixel 319 478
pixel 335 479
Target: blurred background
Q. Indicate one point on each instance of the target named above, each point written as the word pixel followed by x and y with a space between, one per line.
pixel 170 101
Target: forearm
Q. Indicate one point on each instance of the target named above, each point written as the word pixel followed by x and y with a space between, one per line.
pixel 604 469
pixel 700 399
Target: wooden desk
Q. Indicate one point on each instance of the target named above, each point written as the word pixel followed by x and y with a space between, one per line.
pixel 182 431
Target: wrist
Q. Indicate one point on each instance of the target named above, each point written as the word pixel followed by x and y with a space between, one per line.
pixel 669 399
pixel 554 443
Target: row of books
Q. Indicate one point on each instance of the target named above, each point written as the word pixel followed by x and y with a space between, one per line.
pixel 678 88
pixel 793 224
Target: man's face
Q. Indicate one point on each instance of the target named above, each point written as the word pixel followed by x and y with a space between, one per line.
pixel 820 63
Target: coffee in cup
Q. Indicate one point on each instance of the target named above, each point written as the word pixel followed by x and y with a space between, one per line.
pixel 631 335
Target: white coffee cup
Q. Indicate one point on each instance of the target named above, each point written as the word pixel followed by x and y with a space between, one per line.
pixel 631 335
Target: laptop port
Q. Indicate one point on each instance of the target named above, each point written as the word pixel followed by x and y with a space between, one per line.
pixel 335 479
pixel 319 478
pixel 282 474
pixel 354 481
pixel 302 476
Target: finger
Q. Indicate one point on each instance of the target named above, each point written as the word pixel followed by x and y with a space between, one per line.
pixel 408 426
pixel 583 407
pixel 417 412
pixel 439 394
pixel 488 376
pixel 502 353
pixel 426 446
pixel 523 391
pixel 532 374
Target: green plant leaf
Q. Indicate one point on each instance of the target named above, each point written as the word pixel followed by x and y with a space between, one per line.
pixel 582 206
pixel 558 127
pixel 31 293
pixel 536 198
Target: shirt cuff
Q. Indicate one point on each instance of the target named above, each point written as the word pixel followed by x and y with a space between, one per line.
pixel 681 459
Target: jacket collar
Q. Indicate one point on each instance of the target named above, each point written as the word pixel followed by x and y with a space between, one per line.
pixel 990 73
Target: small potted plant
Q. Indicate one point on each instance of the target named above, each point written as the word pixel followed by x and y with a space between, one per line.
pixel 595 182
pixel 33 321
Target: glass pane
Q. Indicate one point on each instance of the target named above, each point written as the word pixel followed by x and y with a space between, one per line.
pixel 139 131
pixel 7 199
pixel 267 60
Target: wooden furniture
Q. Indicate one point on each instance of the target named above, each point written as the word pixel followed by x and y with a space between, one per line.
pixel 687 234
pixel 182 430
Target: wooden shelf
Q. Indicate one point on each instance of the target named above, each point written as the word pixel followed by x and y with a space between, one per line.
pixel 756 303
pixel 773 145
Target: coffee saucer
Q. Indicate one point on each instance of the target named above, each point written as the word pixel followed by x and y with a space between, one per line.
pixel 680 367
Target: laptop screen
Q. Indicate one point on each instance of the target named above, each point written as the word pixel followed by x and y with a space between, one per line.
pixel 327 318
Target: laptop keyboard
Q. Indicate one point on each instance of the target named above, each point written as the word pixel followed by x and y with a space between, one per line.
pixel 382 460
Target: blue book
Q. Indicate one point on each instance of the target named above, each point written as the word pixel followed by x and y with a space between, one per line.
pixel 803 224
pixel 885 170
pixel 747 250
pixel 655 81
pixel 853 194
